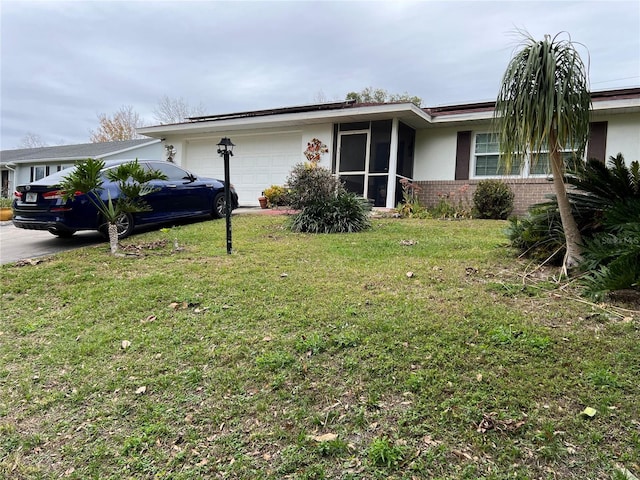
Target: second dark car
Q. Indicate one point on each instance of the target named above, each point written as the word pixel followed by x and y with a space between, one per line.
pixel 40 205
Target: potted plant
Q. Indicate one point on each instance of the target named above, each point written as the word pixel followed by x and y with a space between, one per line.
pixel 6 213
pixel 263 201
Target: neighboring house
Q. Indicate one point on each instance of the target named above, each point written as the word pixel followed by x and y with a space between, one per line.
pixel 28 164
pixel 373 146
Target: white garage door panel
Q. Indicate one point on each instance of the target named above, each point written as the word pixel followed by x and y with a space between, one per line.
pixel 258 162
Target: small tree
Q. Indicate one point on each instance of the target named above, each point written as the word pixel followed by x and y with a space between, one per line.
pixel 133 183
pixel 543 105
pixel 175 110
pixel 32 140
pixel 121 126
pixel 379 95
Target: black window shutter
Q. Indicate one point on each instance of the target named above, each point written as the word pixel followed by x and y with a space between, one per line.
pixel 597 146
pixel 463 155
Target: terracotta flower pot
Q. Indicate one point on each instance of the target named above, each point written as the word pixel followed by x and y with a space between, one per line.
pixel 263 202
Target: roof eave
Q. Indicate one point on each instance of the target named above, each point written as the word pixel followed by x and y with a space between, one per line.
pixel 406 111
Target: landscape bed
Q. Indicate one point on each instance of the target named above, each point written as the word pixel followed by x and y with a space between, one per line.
pixel 417 349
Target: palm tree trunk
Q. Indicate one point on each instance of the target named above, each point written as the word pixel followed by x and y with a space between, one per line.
pixel 113 238
pixel 573 239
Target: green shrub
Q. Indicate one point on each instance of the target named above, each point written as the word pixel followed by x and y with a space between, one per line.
pixel 606 206
pixel 344 213
pixel 5 202
pixel 539 235
pixel 612 257
pixel 277 196
pixel 310 184
pixel 493 199
pixel 323 203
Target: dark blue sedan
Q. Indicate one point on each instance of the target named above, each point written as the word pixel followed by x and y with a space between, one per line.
pixel 40 205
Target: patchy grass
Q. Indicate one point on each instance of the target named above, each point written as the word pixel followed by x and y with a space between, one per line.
pixel 413 350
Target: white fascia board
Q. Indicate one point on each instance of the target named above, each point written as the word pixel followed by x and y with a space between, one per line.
pixel 463 117
pixel 354 114
pixel 626 105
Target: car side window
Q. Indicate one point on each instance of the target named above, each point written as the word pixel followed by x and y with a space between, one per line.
pixel 173 173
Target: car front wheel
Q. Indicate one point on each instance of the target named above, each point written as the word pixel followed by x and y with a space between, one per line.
pixel 219 206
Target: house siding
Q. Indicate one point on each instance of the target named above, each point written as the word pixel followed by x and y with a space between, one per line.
pixel 623 136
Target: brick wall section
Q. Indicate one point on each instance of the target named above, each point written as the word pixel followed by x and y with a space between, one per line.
pixel 527 192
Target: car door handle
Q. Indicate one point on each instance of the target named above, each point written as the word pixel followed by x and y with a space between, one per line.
pixel 171 185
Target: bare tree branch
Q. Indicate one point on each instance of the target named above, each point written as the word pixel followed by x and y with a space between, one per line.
pixel 32 140
pixel 176 110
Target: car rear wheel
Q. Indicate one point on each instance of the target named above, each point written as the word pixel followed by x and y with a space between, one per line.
pixel 124 224
pixel 219 206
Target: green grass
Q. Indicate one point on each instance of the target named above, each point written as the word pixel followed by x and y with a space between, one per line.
pixel 456 371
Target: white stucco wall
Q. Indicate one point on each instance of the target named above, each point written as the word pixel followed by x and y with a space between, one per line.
pixel 623 136
pixel 435 154
pixel 324 133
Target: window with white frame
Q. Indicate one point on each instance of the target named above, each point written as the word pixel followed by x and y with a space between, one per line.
pixel 41 171
pixel 487 159
pixel 38 172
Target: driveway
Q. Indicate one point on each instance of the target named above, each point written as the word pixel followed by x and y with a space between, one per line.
pixel 19 244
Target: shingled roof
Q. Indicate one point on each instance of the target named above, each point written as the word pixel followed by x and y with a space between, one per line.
pixel 72 152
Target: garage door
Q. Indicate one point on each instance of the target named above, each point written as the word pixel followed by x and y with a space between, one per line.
pixel 259 161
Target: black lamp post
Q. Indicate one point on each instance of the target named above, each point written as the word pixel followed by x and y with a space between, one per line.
pixel 225 149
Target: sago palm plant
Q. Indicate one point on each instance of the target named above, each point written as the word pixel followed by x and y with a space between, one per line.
pixel 133 182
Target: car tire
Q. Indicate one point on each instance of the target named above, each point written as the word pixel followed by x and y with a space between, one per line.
pixel 124 223
pixel 219 206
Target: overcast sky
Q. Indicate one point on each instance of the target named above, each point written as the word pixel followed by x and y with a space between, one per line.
pixel 63 63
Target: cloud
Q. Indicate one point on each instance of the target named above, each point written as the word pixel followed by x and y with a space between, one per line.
pixel 65 62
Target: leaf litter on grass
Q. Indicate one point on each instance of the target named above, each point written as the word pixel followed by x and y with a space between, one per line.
pixel 443 366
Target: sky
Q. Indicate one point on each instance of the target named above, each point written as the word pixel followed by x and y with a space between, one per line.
pixel 64 63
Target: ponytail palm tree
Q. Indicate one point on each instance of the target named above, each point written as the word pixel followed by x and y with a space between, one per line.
pixel 543 106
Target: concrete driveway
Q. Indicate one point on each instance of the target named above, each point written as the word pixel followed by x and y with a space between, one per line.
pixel 19 244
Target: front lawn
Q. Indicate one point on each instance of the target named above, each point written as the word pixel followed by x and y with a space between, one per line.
pixel 413 350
